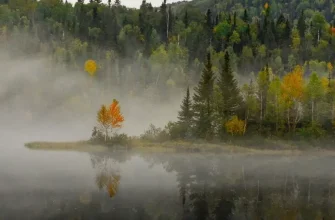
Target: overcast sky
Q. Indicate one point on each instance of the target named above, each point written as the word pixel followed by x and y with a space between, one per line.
pixel 135 3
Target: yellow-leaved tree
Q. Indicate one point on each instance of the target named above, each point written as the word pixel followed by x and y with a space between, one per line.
pixel 292 93
pixel 104 120
pixel 235 126
pixel 110 118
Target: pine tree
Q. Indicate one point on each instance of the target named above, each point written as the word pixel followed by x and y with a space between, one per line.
pixel 163 22
pixel 245 16
pixel 302 25
pixel 231 98
pixel 209 26
pixel 234 21
pixel 171 20
pixel 217 20
pixel 186 19
pixel 185 115
pixel 203 102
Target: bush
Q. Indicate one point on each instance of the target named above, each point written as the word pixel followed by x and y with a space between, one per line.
pixel 155 134
pixel 119 139
pixel 314 130
pixel 235 126
pixel 97 136
pixel 116 139
pixel 177 131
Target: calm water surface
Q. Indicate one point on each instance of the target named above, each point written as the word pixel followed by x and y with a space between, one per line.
pixel 121 185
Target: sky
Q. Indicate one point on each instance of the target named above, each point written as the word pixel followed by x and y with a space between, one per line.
pixel 136 3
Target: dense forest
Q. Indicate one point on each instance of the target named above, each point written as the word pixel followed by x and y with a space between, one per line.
pixel 254 65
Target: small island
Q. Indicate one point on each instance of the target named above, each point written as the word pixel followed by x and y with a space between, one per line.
pixel 221 117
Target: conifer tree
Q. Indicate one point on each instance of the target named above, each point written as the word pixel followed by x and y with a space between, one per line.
pixel 164 22
pixel 185 114
pixel 302 25
pixel 171 20
pixel 234 21
pixel 203 102
pixel 209 26
pixel 231 99
pixel 245 16
pixel 186 19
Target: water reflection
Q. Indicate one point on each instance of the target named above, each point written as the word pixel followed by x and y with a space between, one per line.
pixel 208 187
pixel 107 174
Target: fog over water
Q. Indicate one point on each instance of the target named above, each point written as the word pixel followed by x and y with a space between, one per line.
pixel 42 105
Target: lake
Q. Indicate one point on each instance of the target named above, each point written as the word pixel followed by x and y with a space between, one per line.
pixel 124 185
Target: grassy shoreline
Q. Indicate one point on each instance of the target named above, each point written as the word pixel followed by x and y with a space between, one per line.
pixel 174 147
pixel 81 146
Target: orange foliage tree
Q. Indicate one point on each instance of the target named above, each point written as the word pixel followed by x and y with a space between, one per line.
pixel 110 118
pixel 292 93
pixel 115 114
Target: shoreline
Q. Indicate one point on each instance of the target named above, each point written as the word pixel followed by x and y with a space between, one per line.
pixel 174 147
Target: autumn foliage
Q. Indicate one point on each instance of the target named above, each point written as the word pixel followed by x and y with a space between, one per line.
pixel 112 185
pixel 115 114
pixel 235 126
pixel 109 118
pixel 292 94
pixel 109 182
pixel 91 67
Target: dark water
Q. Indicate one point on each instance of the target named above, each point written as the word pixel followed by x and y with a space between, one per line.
pixel 121 185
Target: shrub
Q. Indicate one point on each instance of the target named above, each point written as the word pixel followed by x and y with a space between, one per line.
pixel 175 130
pixel 116 139
pixel 235 126
pixel 155 134
pixel 119 139
pixel 314 130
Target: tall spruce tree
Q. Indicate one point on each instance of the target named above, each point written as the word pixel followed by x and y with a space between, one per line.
pixel 185 115
pixel 245 16
pixel 302 25
pixel 231 98
pixel 186 20
pixel 203 102
pixel 164 22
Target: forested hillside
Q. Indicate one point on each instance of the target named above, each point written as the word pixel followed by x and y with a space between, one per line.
pixel 272 46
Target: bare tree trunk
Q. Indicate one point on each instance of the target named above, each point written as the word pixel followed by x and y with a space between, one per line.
pixel 277 115
pixel 246 121
pixel 167 25
pixel 309 190
pixel 333 111
pixel 297 118
pixel 261 106
pixel 106 134
pixel 285 184
pixel 245 186
pixel 257 190
pixel 312 111
pixel 288 119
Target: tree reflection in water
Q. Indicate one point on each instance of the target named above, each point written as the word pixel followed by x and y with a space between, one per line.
pixel 107 176
pixel 209 187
